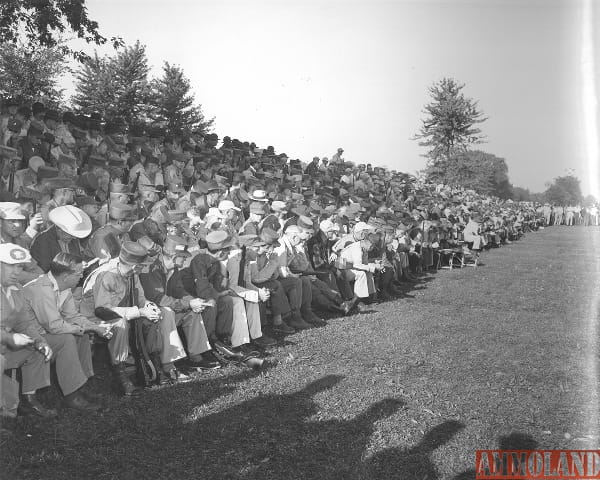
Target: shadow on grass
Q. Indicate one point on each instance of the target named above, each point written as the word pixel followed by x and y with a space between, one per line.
pixel 412 463
pixel 278 437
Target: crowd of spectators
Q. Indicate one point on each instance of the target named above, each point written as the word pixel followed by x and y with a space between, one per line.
pixel 206 251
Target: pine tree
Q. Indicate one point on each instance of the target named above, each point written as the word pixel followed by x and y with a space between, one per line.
pixel 173 103
pixel 449 128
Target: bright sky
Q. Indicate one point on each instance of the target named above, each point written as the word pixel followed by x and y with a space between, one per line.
pixel 309 76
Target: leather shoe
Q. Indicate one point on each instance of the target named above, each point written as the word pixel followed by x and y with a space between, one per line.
pixel 348 305
pixel 206 361
pixel 299 324
pixel 228 351
pixel 264 341
pixel 283 328
pixel 77 401
pixel 311 318
pixel 30 405
pixel 129 389
pixel 247 351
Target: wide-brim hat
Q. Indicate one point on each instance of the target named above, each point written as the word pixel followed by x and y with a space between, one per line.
pixel 11 211
pixel 218 240
pixel 259 196
pixel 269 236
pixel 133 253
pixel 58 183
pixel 71 220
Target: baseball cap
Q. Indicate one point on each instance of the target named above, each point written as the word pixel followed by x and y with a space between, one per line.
pixel 13 254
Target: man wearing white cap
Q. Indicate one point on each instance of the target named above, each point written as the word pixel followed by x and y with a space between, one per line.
pixel 21 345
pixel 71 224
pixel 12 222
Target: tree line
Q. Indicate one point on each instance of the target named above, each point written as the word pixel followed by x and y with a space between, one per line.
pixel 117 87
pixel 450 131
pixel 34 54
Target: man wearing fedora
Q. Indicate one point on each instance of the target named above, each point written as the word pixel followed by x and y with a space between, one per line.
pixel 21 345
pixel 107 240
pixel 163 285
pixel 225 322
pixel 113 292
pixel 70 226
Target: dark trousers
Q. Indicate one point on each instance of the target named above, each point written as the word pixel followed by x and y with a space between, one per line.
pixel 218 321
pixel 279 300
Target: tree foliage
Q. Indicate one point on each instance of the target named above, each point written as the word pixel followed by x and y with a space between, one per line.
pixel 115 86
pixel 564 190
pixel 475 170
pixel 172 103
pixel 33 75
pixel 43 23
pixel 449 127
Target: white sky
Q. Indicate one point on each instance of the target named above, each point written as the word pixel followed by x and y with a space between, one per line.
pixel 310 76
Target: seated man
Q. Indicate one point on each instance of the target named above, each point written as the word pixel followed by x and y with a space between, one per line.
pixel 51 303
pixel 107 240
pixel 209 272
pixel 163 285
pixel 18 334
pixel 249 295
pixel 113 292
pixel 261 272
pixel 291 239
pixel 12 223
pixel 71 225
pixel 361 272
pixel 472 233
pixel 321 256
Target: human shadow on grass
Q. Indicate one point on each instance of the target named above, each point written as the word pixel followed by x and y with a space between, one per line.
pixel 411 463
pixel 512 441
pixel 278 437
pixel 127 433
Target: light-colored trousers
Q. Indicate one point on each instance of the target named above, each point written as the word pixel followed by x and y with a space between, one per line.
pixel 364 285
pixel 195 335
pixel 478 241
pixel 246 322
pixel 73 358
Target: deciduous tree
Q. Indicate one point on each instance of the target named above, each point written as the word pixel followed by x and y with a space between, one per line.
pixel 32 75
pixel 45 23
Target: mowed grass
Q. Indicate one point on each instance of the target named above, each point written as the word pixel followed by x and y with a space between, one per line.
pixel 502 355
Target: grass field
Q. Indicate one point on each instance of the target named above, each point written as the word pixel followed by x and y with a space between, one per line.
pixel 502 355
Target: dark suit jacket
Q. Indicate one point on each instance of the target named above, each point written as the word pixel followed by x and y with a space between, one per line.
pixel 45 246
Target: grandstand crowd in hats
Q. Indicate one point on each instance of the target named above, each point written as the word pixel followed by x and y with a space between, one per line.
pixel 207 251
